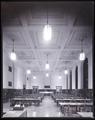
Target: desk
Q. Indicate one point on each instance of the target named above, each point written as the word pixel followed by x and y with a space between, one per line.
pixel 25 101
pixel 16 113
pixel 86 114
pixel 74 100
pixel 47 92
pixel 75 107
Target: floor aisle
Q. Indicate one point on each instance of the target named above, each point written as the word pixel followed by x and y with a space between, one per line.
pixel 46 109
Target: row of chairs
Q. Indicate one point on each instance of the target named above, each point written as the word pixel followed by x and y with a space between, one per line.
pixel 37 99
pixel 65 96
pixel 34 96
pixel 72 104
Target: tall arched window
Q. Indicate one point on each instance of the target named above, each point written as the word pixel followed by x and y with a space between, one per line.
pixel 76 77
pixel 85 74
pixel 70 79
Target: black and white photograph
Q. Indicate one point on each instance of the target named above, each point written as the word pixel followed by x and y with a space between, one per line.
pixel 47 59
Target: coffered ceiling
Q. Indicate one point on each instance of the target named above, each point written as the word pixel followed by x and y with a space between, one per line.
pixel 24 22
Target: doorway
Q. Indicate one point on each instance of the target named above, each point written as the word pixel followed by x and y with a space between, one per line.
pixel 85 74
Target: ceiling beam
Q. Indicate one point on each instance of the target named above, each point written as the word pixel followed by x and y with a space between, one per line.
pixel 59 60
pixel 69 38
pixel 26 33
pixel 46 49
pixel 40 27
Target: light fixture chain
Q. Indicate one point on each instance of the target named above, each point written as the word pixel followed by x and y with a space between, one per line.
pixel 47 58
pixel 13 45
pixel 81 45
pixel 47 13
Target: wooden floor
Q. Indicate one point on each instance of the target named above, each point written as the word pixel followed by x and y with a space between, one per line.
pixel 48 108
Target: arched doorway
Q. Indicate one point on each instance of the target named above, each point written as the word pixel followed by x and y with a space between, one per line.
pixel 76 77
pixel 70 79
pixel 85 74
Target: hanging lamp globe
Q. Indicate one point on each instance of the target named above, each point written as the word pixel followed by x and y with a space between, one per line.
pixel 82 56
pixel 13 56
pixel 47 32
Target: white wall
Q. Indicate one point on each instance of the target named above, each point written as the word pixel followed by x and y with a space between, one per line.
pixel 34 82
pixel 58 82
pixel 7 76
pixel 19 75
pixel 28 82
pixel 47 80
pixel 64 82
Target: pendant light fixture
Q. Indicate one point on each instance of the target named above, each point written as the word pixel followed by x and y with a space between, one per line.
pixel 82 54
pixel 13 54
pixel 34 77
pixel 47 31
pixel 28 71
pixel 59 77
pixel 47 75
pixel 47 64
pixel 65 71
